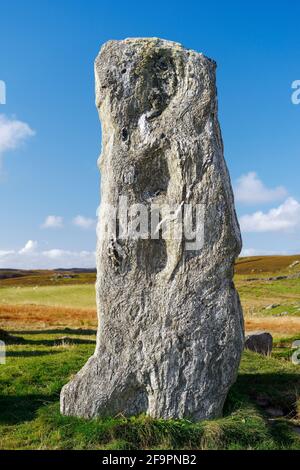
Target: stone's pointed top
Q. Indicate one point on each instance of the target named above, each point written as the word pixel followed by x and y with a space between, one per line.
pixel 153 67
pixel 153 41
pixel 149 40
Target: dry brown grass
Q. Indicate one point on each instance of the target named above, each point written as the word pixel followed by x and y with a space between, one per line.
pixel 277 326
pixel 41 316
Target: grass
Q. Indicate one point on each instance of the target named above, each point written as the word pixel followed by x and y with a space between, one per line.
pixel 284 309
pixel 38 367
pixel 257 295
pixel 76 296
pixel 285 289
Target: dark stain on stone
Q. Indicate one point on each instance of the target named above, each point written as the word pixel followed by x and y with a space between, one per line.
pixel 124 134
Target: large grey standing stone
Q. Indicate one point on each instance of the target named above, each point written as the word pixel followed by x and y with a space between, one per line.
pixel 170 331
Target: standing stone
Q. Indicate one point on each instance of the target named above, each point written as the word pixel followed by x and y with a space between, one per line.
pixel 170 331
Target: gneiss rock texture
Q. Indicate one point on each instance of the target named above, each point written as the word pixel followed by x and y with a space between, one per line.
pixel 170 332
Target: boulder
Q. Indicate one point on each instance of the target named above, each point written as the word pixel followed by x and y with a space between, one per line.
pixel 271 306
pixel 260 342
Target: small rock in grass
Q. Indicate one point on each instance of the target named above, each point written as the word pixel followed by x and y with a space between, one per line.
pixel 260 342
pixel 270 307
pixel 282 314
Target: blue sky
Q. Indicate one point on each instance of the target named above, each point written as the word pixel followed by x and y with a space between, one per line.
pixel 50 134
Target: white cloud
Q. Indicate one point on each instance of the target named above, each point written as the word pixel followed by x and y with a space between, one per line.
pixel 53 221
pixel 30 247
pixel 71 258
pixel 12 134
pixel 83 222
pixel 29 257
pixel 285 217
pixel 55 253
pixel 6 252
pixel 251 190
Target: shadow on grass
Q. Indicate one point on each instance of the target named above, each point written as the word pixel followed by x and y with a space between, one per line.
pixel 49 342
pixel 58 341
pixel 30 353
pixel 58 331
pixel 279 389
pixel 17 409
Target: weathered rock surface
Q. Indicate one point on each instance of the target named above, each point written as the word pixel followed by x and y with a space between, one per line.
pixel 260 342
pixel 170 332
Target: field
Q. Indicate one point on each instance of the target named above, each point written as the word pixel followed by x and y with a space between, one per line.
pixel 51 321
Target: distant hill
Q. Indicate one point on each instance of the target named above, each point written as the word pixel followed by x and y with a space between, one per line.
pixel 40 277
pixel 267 264
pixel 12 273
pixel 254 265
